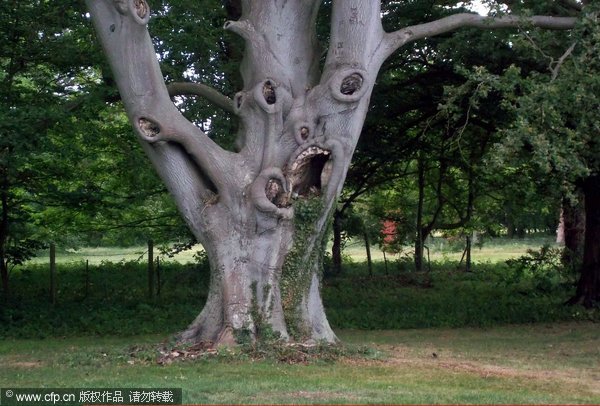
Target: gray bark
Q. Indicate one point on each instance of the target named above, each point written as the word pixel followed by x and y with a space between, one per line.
pixel 261 214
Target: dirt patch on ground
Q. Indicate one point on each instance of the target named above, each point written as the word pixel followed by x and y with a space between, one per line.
pixel 319 396
pixel 398 356
pixel 13 363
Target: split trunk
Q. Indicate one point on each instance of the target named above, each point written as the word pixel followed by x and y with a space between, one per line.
pixel 261 212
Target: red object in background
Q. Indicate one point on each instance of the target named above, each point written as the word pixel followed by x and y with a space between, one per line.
pixel 388 230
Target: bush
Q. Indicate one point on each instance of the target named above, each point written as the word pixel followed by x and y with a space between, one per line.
pixel 492 294
pixel 545 270
pixel 530 289
pixel 112 299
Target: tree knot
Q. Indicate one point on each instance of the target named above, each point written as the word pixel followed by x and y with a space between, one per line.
pixel 349 85
pixel 148 128
pixel 141 8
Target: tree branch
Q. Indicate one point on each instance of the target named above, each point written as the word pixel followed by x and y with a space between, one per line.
pixel 556 68
pixel 356 34
pixel 406 35
pixel 121 29
pixel 204 91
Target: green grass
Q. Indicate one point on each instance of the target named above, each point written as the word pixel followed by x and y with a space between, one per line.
pixel 112 298
pixel 541 363
pixel 493 251
pixel 99 255
pixel 441 249
pixel 86 339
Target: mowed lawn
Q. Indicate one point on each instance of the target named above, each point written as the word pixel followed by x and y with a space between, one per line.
pixel 542 363
pixel 493 251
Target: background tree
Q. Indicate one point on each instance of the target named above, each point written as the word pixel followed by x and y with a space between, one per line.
pixel 70 172
pixel 556 129
pixel 406 126
pixel 38 59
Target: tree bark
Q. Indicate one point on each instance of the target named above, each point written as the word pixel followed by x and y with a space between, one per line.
pixel 588 287
pixel 260 213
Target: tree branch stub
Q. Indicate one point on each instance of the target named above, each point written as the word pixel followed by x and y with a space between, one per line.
pixel 349 85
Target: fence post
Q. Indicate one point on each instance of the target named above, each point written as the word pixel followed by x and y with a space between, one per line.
pixel 150 269
pixel 52 273
pixel 87 278
pixel 158 283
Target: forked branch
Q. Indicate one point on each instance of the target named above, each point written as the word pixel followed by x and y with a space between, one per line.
pixel 121 28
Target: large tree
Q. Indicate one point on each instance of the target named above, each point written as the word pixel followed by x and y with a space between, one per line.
pixel 556 133
pixel 261 211
pixel 39 57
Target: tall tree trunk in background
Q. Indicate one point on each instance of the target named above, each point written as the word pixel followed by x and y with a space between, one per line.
pixel 261 213
pixel 573 226
pixel 419 239
pixel 588 287
pixel 336 248
pixel 4 223
pixel 468 247
pixel 469 214
pixel 368 250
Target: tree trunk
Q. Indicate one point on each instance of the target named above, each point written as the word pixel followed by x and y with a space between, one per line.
pixel 420 240
pixel 150 269
pixel 5 281
pixel 468 247
pixel 3 238
pixel 573 224
pixel 52 274
pixel 336 248
pixel 261 212
pixel 588 287
pixel 368 250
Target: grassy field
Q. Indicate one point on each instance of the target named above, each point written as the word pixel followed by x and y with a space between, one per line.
pixel 111 298
pixel 557 363
pixel 496 250
pixel 98 255
pixel 440 250
pixel 104 330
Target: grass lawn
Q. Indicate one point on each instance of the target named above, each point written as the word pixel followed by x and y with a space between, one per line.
pixel 541 363
pixel 493 251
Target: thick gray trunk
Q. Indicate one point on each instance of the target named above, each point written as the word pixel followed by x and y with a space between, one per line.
pixel 261 213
